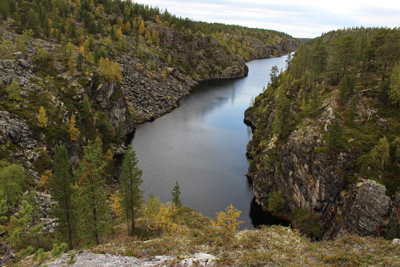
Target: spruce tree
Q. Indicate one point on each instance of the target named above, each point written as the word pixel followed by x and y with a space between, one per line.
pixel 176 192
pixel 4 8
pixel 63 193
pixel 92 201
pixel 281 124
pixel 335 134
pixel 131 195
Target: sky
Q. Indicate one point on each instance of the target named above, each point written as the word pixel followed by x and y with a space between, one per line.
pixel 306 19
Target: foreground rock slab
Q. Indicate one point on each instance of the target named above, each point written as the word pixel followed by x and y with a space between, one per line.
pixel 88 259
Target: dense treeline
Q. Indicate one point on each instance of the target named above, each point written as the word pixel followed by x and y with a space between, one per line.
pixel 355 72
pixel 35 15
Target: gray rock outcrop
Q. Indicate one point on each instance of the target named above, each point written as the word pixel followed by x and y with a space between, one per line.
pixel 316 181
pixel 88 259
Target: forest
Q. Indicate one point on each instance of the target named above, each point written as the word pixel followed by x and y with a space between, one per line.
pixel 337 102
pixel 75 79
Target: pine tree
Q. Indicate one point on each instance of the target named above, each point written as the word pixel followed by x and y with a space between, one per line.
pixel 315 100
pixel 281 126
pixel 42 118
pixel 394 93
pixel 131 195
pixel 176 192
pixel 319 57
pixel 346 52
pixel 4 8
pixel 12 177
pixel 274 76
pixel 288 61
pixel 46 27
pixel 6 50
pixel 93 207
pixel 64 193
pixel 85 108
pixel 120 132
pixel 345 88
pixel 71 63
pixel 33 21
pixel 379 155
pixel 15 226
pixel 352 110
pixel 42 55
pixel 12 6
pixel 14 93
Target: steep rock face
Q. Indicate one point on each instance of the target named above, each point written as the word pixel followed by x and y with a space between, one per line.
pixel 365 207
pixel 15 130
pixel 144 94
pixel 117 109
pixel 317 181
pixel 154 96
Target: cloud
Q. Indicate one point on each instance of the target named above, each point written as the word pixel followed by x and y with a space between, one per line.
pixel 309 19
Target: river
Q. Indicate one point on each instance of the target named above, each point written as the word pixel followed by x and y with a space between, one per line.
pixel 202 145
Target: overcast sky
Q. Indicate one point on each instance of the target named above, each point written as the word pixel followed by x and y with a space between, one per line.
pixel 308 18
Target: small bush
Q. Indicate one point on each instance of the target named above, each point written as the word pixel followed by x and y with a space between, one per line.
pixel 229 219
pixel 116 96
pixel 307 222
pixel 275 201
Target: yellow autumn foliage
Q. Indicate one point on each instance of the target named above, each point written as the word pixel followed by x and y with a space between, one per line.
pixel 46 177
pixel 161 218
pixel 42 118
pixel 116 204
pixel 110 71
pixel 229 218
pixel 73 131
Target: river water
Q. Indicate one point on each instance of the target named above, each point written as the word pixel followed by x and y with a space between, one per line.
pixel 202 145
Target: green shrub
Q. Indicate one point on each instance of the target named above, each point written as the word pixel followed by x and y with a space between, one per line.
pixel 12 176
pixel 307 222
pixel 275 201
pixel 116 96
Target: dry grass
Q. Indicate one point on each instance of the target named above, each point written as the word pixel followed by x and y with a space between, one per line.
pixel 267 246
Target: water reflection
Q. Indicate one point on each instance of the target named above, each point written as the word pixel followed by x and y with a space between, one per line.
pixel 260 217
pixel 202 145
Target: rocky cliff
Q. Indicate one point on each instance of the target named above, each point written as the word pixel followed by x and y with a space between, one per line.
pixel 319 182
pixel 323 151
pixel 154 77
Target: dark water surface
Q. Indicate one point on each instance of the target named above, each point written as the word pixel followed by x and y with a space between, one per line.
pixel 202 145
